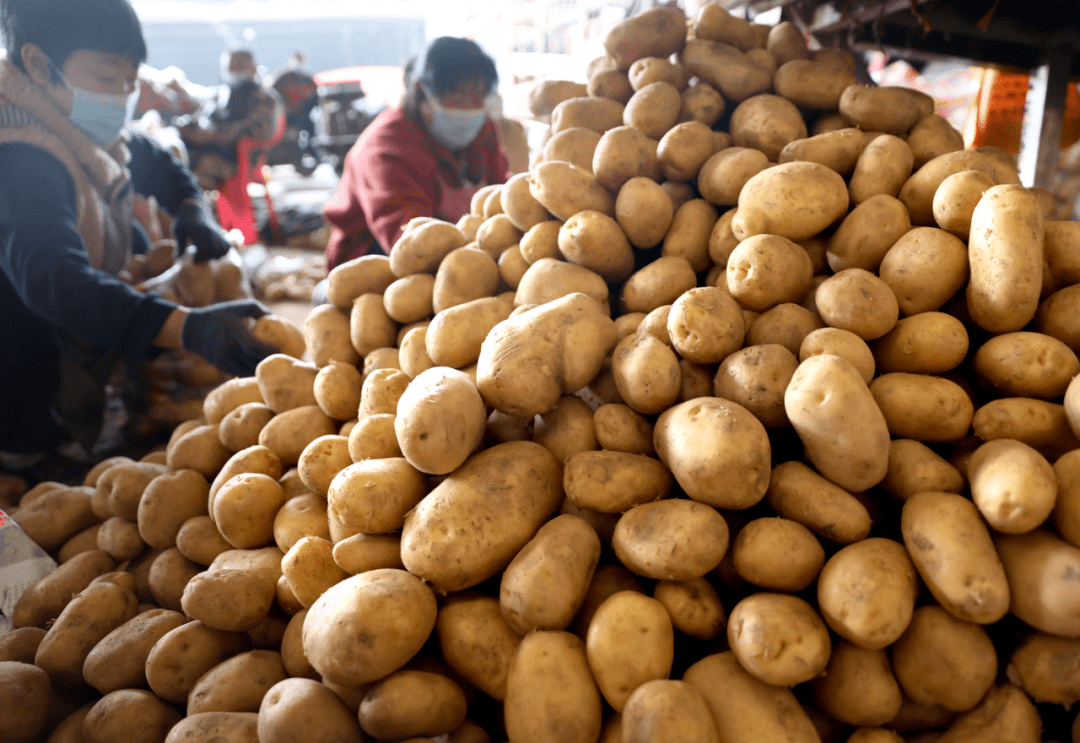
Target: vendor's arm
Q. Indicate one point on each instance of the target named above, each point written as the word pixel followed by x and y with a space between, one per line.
pixel 392 191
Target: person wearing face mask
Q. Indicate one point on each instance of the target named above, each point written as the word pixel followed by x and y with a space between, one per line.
pixel 243 109
pixel 425 158
pixel 67 184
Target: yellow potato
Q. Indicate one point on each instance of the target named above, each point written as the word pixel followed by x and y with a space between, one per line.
pixel 925 268
pixel 841 343
pixel 590 112
pixel 373 496
pixel 412 703
pixel 653 109
pixel 883 168
pixel 657 284
pixel 812 84
pixel 767 270
pixel 476 641
pixel 657 32
pixel 644 212
pixel 725 68
pixel 694 606
pixel 575 145
pixel 858 687
pixel 666 711
pixel 688 235
pixel 923 407
pixel 777 554
pixel 1013 485
pixel 326 333
pixel 1026 364
pixel 596 241
pixel 838 149
pixel 865 236
pixel 778 638
pixel 613 84
pixel 915 468
pixel 303 709
pixel 767 123
pixel 926 343
pixel 630 642
pixel 887 109
pixel 671 539
pixel 795 200
pixel 702 103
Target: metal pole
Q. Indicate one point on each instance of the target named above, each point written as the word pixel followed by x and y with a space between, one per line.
pixel 1044 113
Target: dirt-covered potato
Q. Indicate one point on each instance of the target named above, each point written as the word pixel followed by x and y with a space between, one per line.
pixel 476 641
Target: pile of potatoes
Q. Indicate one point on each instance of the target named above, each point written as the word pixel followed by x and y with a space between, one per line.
pixel 749 413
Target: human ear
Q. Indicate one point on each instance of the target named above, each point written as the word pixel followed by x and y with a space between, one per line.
pixel 36 63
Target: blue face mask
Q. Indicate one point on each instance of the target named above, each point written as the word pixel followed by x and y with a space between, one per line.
pixel 100 116
pixel 454 127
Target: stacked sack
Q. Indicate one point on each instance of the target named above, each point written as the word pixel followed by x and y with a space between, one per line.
pixel 606 462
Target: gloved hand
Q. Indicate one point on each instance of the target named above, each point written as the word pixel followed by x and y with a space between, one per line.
pixel 193 224
pixel 220 335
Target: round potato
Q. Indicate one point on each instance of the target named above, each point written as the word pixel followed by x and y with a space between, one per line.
pixel 766 270
pixel 646 535
pixel 778 638
pixel 867 233
pixel 926 343
pixel 841 343
pixel 373 496
pixel 440 420
pixel 1013 485
pixel 858 687
pixel 767 123
pixel 795 200
pixel 412 703
pixel 130 715
pixel 777 554
pixel 722 176
pixel 1026 364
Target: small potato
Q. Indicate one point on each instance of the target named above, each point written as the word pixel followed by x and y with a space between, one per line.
pixel 310 569
pixel 839 149
pixel 363 552
pixel 200 541
pixel 613 84
pixel 253 460
pixel 25 693
pixel 767 270
pixel 918 191
pixel 303 709
pixel 550 692
pixel 169 575
pixel 614 482
pixel 326 333
pixel 240 428
pixel 228 396
pixel 883 168
pixel 722 176
pixel 856 300
pixel 646 535
pixel 657 284
pixel 299 517
pixel 653 109
pixel 876 621
pixel 620 428
pixel 795 200
pixel 648 70
pixel 364 275
pixel 575 145
pixel 289 433
pixel 646 373
pixel 926 343
pixel 372 496
pixel 1027 364
pixel 630 641
pixel 597 114
pixel 858 687
pixel 596 241
pixel 1055 316
pixel 644 212
pixel 915 468
pixel 798 493
pixel 778 638
pixel 867 234
pixel 701 103
pixel 393 611
pixel 336 389
pixel 520 207
pixel 925 268
pixel 841 343
pixel 542 240
pixel 184 654
pixel 932 136
pixel 567 429
pixel 512 267
pixel 440 420
pixel 279 332
pixel 244 510
pixel 369 325
pixel 409 299
pixel 129 715
pixel 688 235
pixel 923 407
pixel 476 641
pixel 887 109
pixel 778 554
pixel 956 198
pixel 1013 485
pixel 228 600
pixel 412 351
pixel 951 548
pixel 767 123
pixel 936 641
pixel 238 684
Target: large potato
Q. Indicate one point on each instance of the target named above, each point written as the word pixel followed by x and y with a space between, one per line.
pixel 725 68
pixel 795 200
pixel 484 512
pixel 658 32
pixel 738 447
pixel 844 432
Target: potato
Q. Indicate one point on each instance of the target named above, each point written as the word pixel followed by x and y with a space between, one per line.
pixel 777 554
pixel 838 149
pixel 130 715
pixel 887 109
pixel 841 343
pixel 369 274
pixel 1055 314
pixel 168 576
pixel 766 270
pixel 867 234
pixel 745 708
pixel 589 112
pixel 240 428
pixel 1026 364
pixel 321 460
pixel 83 623
pixel 956 198
pixel 684 149
pixel 168 501
pixel 644 212
pixel 653 109
pixel 440 420
pixel 858 686
pixel 253 460
pixel 25 692
pixel 756 378
pixel 326 333
pixel 575 145
pixel 544 585
pixel 932 136
pixel 786 42
pixel 551 696
pixel 229 600
pixel 372 497
pixel 289 433
pixel 926 343
pixel 370 327
pixel 915 468
pixel 228 396
pixel 409 298
pixel 58 515
pixel 925 268
pixel 244 510
pixel 785 324
pixel 547 94
pixel 336 389
pixel 723 175
pixel 412 703
pixel 844 432
pixel 855 299
pixel 418 251
pixel 648 70
pixel 286 383
pixel 870 621
pixel 1044 666
pixel 363 552
pixel 393 611
pixel 646 373
pixel 767 123
pixel 657 32
pixel 596 241
pixel 122 486
pixel 666 710
pixel 235 727
pixel 310 569
pixel 20 645
pixel 795 200
pixel 237 684
pixel 779 639
pixel 725 68
pixel 918 191
pixel 118 661
pixel 614 481
pixel 884 167
pixel 1060 263
pixel 701 103
pixel 476 641
pixel 494 236
pixel 621 664
pixel 923 407
pixel 303 709
pixel 1013 485
pixel 200 541
pixel 645 536
pixel 613 84
pixel 621 428
pixel 184 654
pixel 454 563
pixel 279 332
pixel 1004 710
pixel 812 84
pixel 564 190
pixel 943 660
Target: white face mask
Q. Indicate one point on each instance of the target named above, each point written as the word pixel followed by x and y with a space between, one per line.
pixel 100 116
pixel 456 128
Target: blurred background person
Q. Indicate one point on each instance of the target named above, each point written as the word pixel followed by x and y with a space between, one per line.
pixel 425 158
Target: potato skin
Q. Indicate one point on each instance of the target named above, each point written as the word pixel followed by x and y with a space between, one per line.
pixel 952 550
pixel 237 684
pixel 667 711
pixel 130 715
pixel 43 601
pixel 412 703
pixel 234 727
pixel 630 641
pixel 883 167
pixel 858 687
pixel 487 509
pixel 658 32
pixel 646 539
pixel 119 660
pixel 779 638
pixel 476 641
pixel 614 481
pixel 184 654
pixel 796 200
pixel 25 692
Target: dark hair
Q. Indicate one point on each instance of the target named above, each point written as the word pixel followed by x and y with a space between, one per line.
pixel 63 27
pixel 449 61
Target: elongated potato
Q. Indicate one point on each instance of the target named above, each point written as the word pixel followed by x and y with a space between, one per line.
pixel 725 68
pixel 795 200
pixel 119 660
pixel 883 167
pixel 476 641
pixel 630 642
pixel 614 481
pixel 858 687
pixel 671 539
pixel 658 32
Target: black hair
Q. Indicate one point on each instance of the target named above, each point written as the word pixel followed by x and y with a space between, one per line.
pixel 448 62
pixel 62 27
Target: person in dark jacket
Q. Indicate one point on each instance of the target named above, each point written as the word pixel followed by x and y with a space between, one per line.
pixel 66 228
pixel 424 159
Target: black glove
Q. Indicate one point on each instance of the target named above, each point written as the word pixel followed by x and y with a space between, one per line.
pixel 193 224
pixel 220 335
